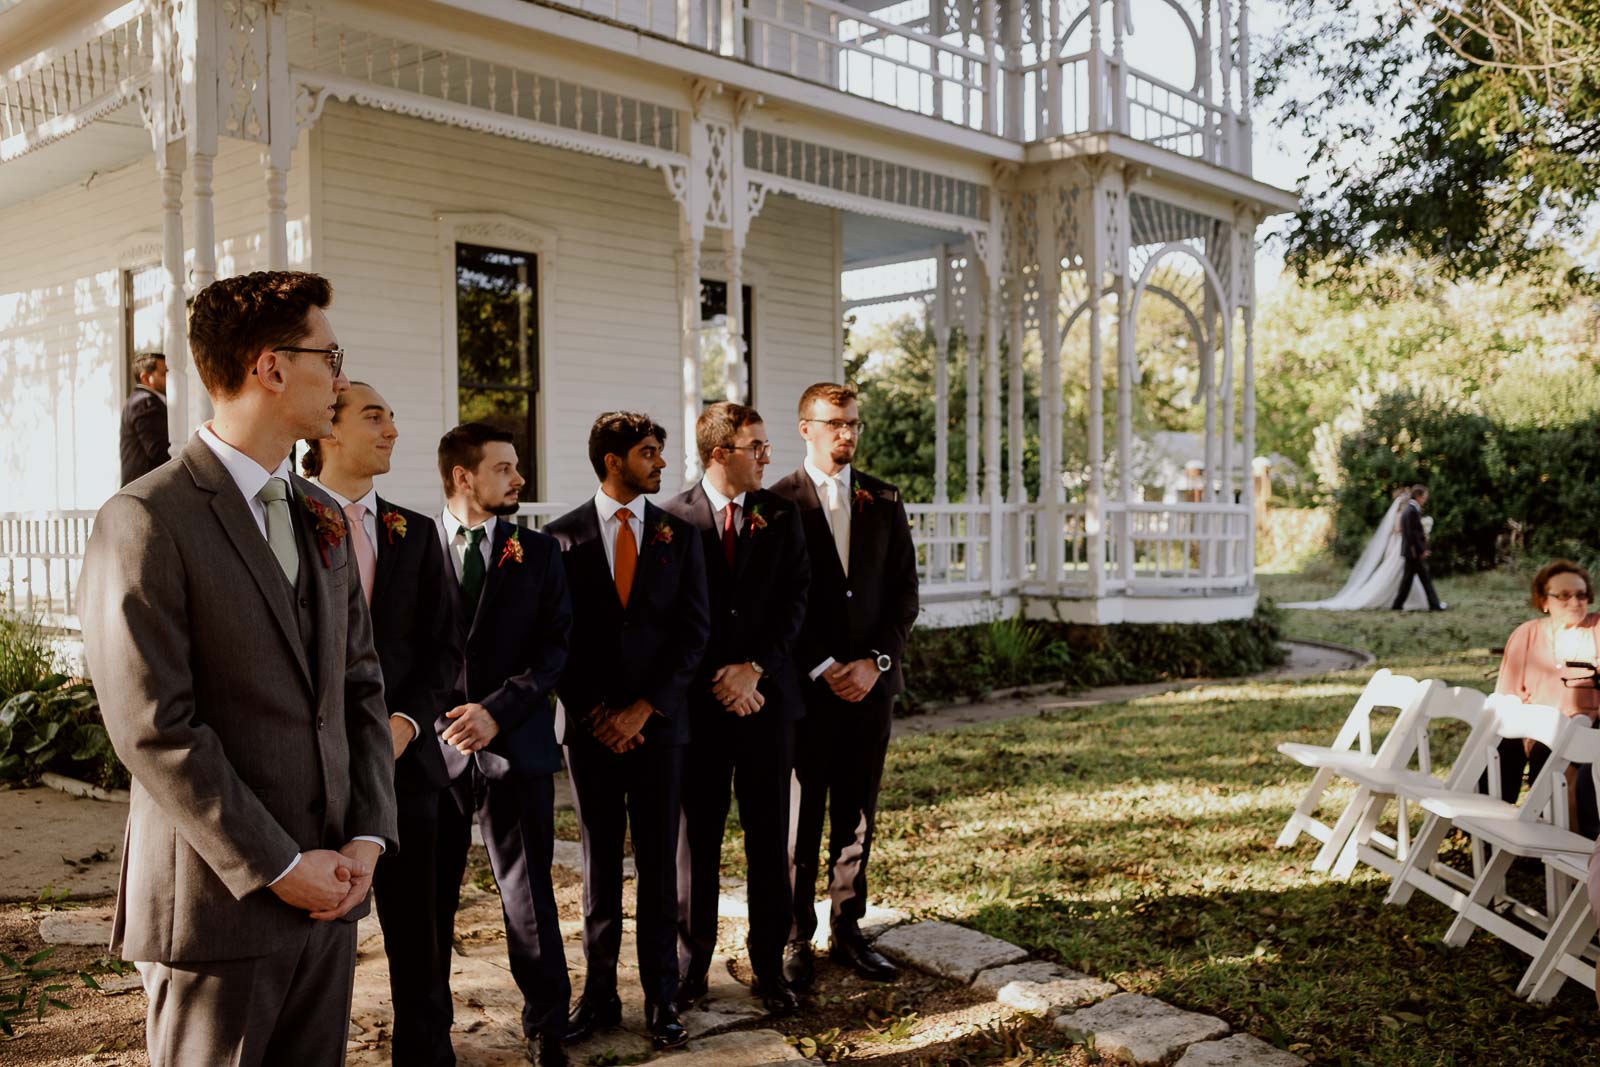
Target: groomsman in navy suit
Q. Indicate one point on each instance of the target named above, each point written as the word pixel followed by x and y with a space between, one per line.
pixel 500 745
pixel 640 624
pixel 745 699
pixel 415 626
pixel 862 604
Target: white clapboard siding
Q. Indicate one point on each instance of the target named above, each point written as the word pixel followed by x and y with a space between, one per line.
pixel 61 331
pixel 611 325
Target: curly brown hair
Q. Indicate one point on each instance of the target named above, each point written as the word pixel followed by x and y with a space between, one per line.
pixel 616 432
pixel 1541 581
pixel 233 319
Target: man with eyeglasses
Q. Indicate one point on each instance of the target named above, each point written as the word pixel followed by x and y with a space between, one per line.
pixel 861 606
pixel 744 701
pixel 227 632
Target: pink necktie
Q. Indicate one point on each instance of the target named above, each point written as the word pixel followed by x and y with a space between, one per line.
pixel 366 558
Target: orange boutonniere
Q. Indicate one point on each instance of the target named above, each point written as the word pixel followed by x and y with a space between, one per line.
pixel 661 533
pixel 329 525
pixel 512 550
pixel 758 521
pixel 394 525
pixel 862 499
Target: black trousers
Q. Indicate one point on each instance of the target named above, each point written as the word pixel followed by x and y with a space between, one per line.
pixel 839 753
pixel 641 790
pixel 517 816
pixel 1516 760
pixel 406 888
pixel 753 755
pixel 1416 568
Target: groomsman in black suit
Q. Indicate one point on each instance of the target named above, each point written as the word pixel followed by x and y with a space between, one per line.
pixel 1414 550
pixel 862 604
pixel 500 744
pixel 640 624
pixel 745 699
pixel 415 626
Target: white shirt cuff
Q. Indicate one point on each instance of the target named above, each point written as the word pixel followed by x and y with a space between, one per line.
pixel 415 729
pixel 375 840
pixel 816 672
pixel 292 865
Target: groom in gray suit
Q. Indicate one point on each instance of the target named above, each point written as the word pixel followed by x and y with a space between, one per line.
pixel 230 644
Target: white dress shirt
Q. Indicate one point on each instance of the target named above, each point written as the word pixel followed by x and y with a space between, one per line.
pixel 453 535
pixel 609 524
pixel 250 476
pixel 719 504
pixel 369 522
pixel 820 480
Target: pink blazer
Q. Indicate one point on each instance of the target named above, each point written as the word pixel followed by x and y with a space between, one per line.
pixel 1530 671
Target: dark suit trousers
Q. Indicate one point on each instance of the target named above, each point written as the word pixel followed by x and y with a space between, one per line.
pixel 1417 568
pixel 1515 760
pixel 517 816
pixel 754 755
pixel 839 753
pixel 292 1006
pixel 407 894
pixel 640 789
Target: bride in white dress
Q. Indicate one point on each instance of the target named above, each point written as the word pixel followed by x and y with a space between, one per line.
pixel 1377 574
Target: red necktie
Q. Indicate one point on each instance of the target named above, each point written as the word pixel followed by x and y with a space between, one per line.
pixel 730 532
pixel 627 556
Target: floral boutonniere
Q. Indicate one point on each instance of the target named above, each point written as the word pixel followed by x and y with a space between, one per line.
pixel 758 521
pixel 330 527
pixel 512 552
pixel 862 499
pixel 661 533
pixel 394 525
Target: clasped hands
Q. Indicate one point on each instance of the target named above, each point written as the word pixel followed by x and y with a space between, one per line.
pixel 620 729
pixel 851 681
pixel 734 686
pixel 328 884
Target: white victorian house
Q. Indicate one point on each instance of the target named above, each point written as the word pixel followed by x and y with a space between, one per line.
pixel 533 211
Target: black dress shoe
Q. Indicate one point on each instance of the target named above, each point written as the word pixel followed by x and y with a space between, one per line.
pixel 692 988
pixel 546 1051
pixel 851 949
pixel 775 996
pixel 799 965
pixel 666 1030
pixel 590 1015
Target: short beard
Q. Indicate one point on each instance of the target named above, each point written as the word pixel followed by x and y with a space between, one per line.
pixel 503 510
pixel 842 455
pixel 639 485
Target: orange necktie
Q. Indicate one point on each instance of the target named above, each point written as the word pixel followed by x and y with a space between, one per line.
pixel 627 555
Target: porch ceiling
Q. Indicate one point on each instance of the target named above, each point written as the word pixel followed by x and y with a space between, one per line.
pixel 104 145
pixel 869 241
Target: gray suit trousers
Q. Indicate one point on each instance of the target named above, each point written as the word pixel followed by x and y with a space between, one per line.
pixel 289 1007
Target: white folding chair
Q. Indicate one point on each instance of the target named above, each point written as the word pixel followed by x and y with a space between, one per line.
pixel 1376 786
pixel 1513 720
pixel 1351 747
pixel 1544 841
pixel 1568 950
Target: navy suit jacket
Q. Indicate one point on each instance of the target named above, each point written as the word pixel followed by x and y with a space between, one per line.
pixel 650 649
pixel 417 630
pixel 758 607
pixel 1413 536
pixel 516 647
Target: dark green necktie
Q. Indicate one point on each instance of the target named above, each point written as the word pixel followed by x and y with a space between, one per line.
pixel 473 571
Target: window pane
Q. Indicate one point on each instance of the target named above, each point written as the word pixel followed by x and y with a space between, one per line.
pixel 497 346
pixel 717 363
pixel 510 410
pixel 144 318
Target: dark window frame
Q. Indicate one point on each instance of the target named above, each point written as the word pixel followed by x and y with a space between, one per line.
pixel 714 302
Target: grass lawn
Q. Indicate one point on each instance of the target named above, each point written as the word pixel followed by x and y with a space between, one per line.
pixel 1135 842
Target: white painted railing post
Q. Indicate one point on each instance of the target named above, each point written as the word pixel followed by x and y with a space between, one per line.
pixel 1225 75
pixel 991 83
pixel 1119 70
pixel 1097 72
pixel 1244 162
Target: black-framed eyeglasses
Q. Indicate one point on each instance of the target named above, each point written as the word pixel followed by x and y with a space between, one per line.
pixel 855 426
pixel 1564 597
pixel 334 355
pixel 758 449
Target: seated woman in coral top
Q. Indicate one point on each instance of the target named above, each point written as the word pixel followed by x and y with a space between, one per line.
pixel 1535 669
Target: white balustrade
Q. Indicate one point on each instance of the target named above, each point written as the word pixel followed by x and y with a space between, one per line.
pixel 41 556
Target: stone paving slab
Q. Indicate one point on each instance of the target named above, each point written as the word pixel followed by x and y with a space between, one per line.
pixel 80 926
pixel 747 1048
pixel 947 949
pixel 1136 1029
pixel 1041 988
pixel 1240 1050
pixel 49 840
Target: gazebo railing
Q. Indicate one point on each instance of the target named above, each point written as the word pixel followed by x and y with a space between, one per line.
pixel 41 556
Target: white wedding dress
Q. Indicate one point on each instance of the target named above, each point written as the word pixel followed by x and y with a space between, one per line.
pixel 1377 574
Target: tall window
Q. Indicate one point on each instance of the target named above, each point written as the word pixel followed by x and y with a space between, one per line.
pixel 143 317
pixel 497 347
pixel 719 367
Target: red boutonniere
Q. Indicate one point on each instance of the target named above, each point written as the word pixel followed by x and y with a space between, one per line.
pixel 512 550
pixel 862 499
pixel 661 533
pixel 394 525
pixel 330 527
pixel 758 521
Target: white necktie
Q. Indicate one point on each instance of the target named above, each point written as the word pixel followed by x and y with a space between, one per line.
pixel 839 520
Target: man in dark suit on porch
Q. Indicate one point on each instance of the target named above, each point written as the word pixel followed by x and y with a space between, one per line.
pixel 501 751
pixel 638 584
pixel 415 621
pixel 745 699
pixel 143 438
pixel 862 604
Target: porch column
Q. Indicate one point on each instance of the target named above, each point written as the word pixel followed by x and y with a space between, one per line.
pixel 994 274
pixel 202 159
pixel 1125 375
pixel 989 26
pixel 1011 33
pixel 1050 549
pixel 1225 74
pixel 689 345
pixel 1097 72
pixel 1212 323
pixel 1119 75
pixel 941 378
pixel 733 248
pixel 1246 242
pixel 1016 404
pixel 971 331
pixel 281 133
pixel 175 343
pixel 1094 511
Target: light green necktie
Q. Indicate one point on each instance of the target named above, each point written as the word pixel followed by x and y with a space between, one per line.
pixel 274 496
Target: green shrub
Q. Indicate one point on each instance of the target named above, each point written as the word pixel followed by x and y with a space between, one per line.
pixel 971 662
pixel 25 655
pixel 56 726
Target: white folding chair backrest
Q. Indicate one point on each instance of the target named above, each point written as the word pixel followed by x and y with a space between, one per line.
pixel 1384 689
pixel 1580 744
pixel 1459 704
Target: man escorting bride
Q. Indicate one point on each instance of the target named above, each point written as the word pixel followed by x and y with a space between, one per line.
pixel 1396 554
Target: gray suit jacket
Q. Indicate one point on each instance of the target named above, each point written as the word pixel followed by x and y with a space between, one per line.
pixel 244 750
